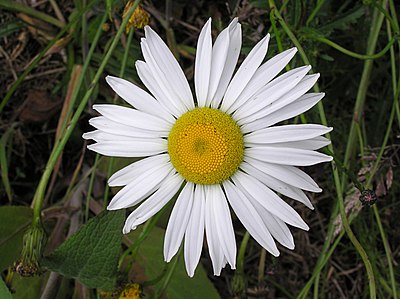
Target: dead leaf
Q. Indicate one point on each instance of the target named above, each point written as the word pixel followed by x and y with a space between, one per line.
pixel 20 45
pixel 59 45
pixel 389 178
pixel 40 30
pixel 352 206
pixel 38 107
pixel 380 188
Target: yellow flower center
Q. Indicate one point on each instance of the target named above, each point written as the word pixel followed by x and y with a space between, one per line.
pixel 206 146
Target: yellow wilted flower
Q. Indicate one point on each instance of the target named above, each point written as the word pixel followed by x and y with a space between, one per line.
pixel 139 18
pixel 131 291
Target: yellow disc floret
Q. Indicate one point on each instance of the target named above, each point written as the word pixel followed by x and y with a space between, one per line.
pixel 206 146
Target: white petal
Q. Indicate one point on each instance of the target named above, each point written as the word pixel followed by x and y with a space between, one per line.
pixel 245 73
pixel 154 203
pixel 100 136
pixel 224 225
pixel 133 117
pixel 203 64
pixel 160 74
pixel 213 241
pixel 276 226
pixel 141 147
pixel 138 98
pixel 286 133
pixel 178 221
pixel 277 185
pixel 250 218
pixel 253 108
pixel 299 106
pixel 222 68
pixel 170 67
pixel 195 231
pixel 287 156
pixel 268 199
pixel 140 187
pixel 108 126
pixel 262 76
pixel 127 174
pixel 299 90
pixel 289 174
pixel 144 73
pixel 218 59
pixel 310 144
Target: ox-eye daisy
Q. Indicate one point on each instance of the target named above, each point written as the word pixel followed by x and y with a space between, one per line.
pixel 219 148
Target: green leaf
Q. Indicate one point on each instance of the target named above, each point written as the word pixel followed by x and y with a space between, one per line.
pixel 91 255
pixel 150 257
pixel 4 292
pixel 14 222
pixel 27 287
pixel 343 21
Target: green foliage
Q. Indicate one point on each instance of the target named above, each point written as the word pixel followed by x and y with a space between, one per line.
pixel 27 287
pixel 4 292
pixel 91 254
pixel 14 221
pixel 150 256
pixel 4 163
pixel 11 27
pixel 344 21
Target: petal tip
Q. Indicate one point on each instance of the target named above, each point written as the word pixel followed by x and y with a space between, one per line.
pixel 86 136
pixel 275 252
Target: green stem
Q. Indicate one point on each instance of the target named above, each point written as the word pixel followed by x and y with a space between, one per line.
pixel 314 12
pixel 170 271
pixel 388 251
pixel 362 89
pixel 369 183
pixel 320 265
pixel 338 184
pixel 82 75
pixel 121 75
pixel 392 54
pixel 19 7
pixel 90 188
pixel 39 194
pixel 353 54
pixel 238 283
pixel 242 251
pixel 261 266
pixel 385 139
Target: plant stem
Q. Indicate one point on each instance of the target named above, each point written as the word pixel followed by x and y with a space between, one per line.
pixel 338 184
pixel 354 54
pixel 39 194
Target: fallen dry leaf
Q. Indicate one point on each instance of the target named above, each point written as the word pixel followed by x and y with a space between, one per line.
pixel 38 107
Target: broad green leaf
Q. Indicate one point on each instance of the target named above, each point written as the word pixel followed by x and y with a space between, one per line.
pixel 4 292
pixel 150 257
pixel 91 255
pixel 27 287
pixel 14 222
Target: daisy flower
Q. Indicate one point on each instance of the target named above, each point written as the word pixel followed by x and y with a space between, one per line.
pixel 216 151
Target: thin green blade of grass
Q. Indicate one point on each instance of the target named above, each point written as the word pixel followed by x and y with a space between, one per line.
pixel 4 163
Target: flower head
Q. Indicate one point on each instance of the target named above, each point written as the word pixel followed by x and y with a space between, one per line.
pixel 222 148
